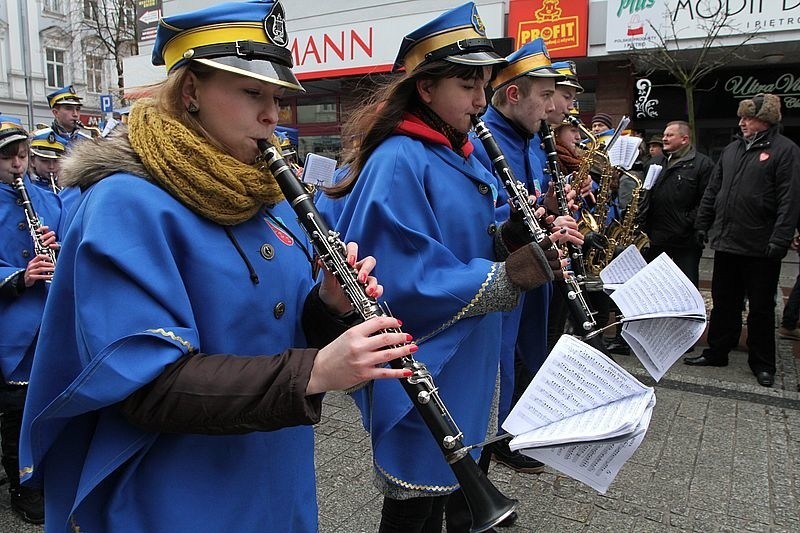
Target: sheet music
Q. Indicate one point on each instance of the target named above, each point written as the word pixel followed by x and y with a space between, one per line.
pixel 618 418
pixel 318 170
pixel 623 266
pixel 574 378
pixel 652 173
pixel 593 464
pixel 660 287
pixel 660 343
pixel 624 151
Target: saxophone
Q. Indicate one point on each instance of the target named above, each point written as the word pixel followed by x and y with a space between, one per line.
pixel 34 224
pixel 487 505
pixel 627 232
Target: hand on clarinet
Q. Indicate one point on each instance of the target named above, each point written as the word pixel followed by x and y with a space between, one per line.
pixel 359 355
pixel 563 230
pixel 330 291
pixel 40 268
pixel 49 238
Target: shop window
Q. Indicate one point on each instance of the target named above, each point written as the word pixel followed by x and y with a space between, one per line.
pixel 325 145
pixel 316 113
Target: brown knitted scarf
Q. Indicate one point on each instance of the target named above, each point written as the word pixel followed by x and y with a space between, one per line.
pixel 203 178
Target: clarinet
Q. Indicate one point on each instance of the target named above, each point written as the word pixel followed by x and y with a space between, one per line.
pixel 579 312
pixel 487 505
pixel 573 251
pixel 34 224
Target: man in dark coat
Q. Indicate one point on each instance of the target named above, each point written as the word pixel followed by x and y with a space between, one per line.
pixel 749 213
pixel 669 208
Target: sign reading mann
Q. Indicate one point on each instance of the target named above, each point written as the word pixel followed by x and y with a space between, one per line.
pixel 563 24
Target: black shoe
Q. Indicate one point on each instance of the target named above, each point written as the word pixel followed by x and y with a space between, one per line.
pixel 509 521
pixel 702 360
pixel 618 347
pixel 765 379
pixel 502 454
pixel 28 504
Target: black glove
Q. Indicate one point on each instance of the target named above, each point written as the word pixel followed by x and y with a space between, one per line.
pixel 776 252
pixel 700 237
pixel 595 240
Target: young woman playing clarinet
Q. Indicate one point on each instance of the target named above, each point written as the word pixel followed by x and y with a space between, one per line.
pixel 417 199
pixel 174 388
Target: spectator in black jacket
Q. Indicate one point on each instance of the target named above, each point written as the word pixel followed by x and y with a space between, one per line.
pixel 749 212
pixel 669 208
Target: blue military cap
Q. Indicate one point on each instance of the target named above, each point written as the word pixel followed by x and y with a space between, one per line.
pixel 569 74
pixel 246 38
pixel 65 95
pixel 48 144
pixel 458 36
pixel 532 59
pixel 11 130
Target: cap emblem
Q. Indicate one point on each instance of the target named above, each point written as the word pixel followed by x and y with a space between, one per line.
pixel 275 25
pixel 477 23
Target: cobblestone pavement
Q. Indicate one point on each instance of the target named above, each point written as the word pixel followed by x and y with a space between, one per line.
pixel 721 454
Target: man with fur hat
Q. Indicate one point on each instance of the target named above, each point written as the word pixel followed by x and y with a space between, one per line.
pixel 749 213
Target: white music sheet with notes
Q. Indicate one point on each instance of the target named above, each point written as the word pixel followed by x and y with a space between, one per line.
pixel 577 398
pixel 664 314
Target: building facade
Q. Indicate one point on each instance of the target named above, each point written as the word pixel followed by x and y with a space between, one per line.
pixel 47 44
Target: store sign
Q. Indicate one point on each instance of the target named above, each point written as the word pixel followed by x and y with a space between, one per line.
pixel 369 46
pixel 562 24
pixel 148 13
pixel 645 23
pixel 718 96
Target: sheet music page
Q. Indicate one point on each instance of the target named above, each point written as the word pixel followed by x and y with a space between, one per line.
pixel 624 151
pixel 574 378
pixel 614 419
pixel 652 173
pixel 660 342
pixel 318 170
pixel 660 287
pixel 593 464
pixel 623 267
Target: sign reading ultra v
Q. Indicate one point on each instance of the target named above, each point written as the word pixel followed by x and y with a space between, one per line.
pixel 562 24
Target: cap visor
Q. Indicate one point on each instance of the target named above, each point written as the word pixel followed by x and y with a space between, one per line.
pixel 259 69
pixel 5 141
pixel 47 154
pixel 571 83
pixel 544 72
pixel 477 59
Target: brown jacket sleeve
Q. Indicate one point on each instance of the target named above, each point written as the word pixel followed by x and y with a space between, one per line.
pixel 225 394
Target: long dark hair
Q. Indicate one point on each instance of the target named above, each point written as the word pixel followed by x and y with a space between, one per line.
pixel 369 125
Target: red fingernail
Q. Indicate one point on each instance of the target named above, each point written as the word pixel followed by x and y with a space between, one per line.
pixel 413 348
pixel 400 322
pixel 362 278
pixel 407 373
pixel 409 338
pixel 371 291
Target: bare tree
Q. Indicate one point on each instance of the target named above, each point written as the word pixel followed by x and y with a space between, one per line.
pixel 109 30
pixel 689 65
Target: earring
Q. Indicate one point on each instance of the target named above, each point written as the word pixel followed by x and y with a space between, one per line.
pixel 192 108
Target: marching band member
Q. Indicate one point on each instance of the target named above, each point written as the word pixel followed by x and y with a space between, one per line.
pixel 66 107
pixel 417 198
pixel 173 389
pixel 23 292
pixel 45 159
pixel 523 97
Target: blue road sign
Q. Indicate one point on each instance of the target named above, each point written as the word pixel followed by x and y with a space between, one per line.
pixel 106 103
